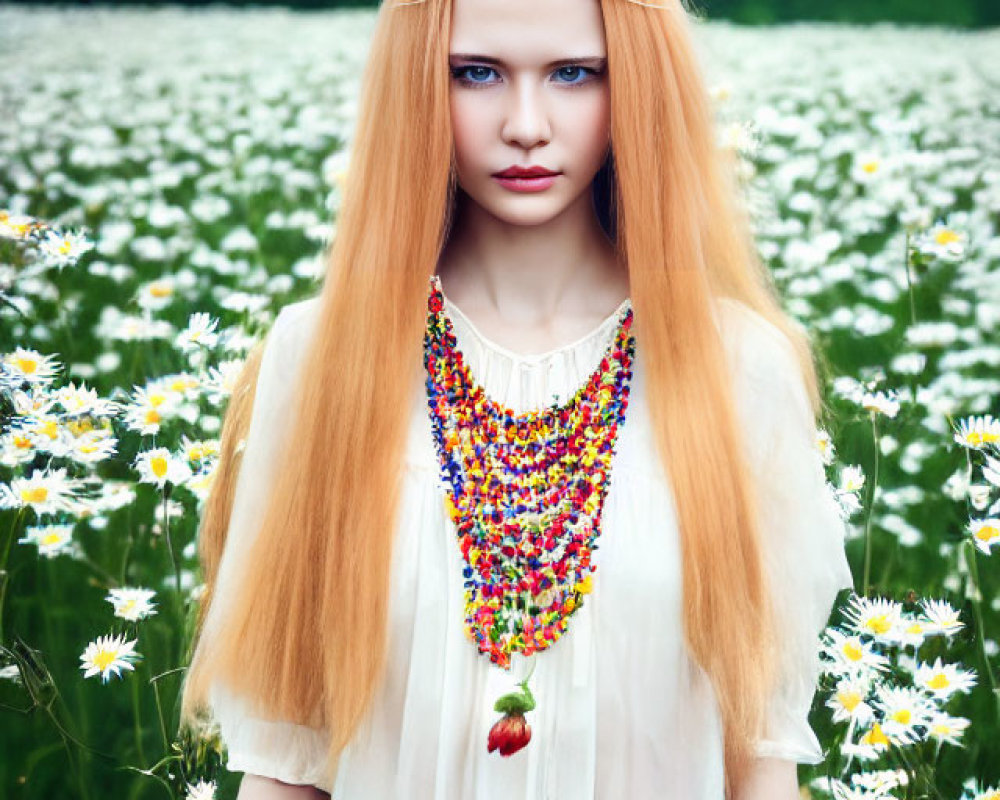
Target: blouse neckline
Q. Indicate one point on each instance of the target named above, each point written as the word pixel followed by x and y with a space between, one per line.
pixel 611 319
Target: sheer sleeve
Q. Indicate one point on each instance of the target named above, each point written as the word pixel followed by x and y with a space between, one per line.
pixel 276 749
pixel 801 525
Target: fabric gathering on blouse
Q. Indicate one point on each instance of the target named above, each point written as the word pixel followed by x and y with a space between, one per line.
pixel 623 709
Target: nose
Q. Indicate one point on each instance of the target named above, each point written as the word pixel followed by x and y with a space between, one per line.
pixel 527 122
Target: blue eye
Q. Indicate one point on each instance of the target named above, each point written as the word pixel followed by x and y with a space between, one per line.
pixel 462 74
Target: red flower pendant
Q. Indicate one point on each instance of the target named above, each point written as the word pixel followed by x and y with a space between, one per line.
pixel 512 732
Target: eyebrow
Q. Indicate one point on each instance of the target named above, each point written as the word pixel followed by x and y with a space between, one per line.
pixel 598 61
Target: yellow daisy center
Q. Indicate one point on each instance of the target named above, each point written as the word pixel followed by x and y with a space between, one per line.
pixel 987 533
pixel 879 624
pixel 51 539
pixel 853 651
pixel 158 465
pixel 875 736
pixel 104 659
pixel 946 236
pixel 27 365
pixel 903 716
pixel 939 681
pixel 37 494
pixel 979 438
pixel 849 699
pixel 870 167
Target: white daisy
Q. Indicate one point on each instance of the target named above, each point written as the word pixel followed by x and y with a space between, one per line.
pixel 17 446
pixel 31 366
pixel 91 447
pixel 149 409
pixel 221 380
pixel 848 701
pixel 197 451
pixel 47 492
pixel 107 655
pixel 64 248
pixel 878 617
pixel 824 443
pixel 946 728
pixel 867 167
pixel 81 400
pixel 881 781
pixel 51 540
pixel 131 603
pixel 869 745
pixel 985 533
pixel 200 332
pixel 913 630
pixel 158 294
pixel 850 655
pixel 977 432
pixel 905 712
pixel 203 790
pixel 16 226
pixel 942 242
pixel 942 617
pixel 943 680
pixel 159 466
pixel 880 403
pixel 852 479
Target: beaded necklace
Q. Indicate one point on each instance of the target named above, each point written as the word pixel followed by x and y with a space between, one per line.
pixel 525 492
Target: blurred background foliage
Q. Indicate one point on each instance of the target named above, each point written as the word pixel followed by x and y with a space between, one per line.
pixel 958 13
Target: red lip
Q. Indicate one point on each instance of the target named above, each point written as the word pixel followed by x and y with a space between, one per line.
pixel 525 172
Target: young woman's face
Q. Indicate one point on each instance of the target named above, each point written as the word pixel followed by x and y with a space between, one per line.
pixel 528 88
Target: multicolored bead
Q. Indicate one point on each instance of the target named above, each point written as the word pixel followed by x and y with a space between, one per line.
pixel 525 491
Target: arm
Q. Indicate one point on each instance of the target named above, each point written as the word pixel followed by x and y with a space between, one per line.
pixel 256 787
pixel 772 779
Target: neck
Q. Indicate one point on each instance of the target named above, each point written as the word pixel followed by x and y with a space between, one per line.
pixel 527 274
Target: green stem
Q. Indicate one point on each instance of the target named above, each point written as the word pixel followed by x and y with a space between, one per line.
pixel 977 609
pixel 137 721
pixel 159 713
pixel 4 555
pixel 909 281
pixel 170 545
pixel 873 485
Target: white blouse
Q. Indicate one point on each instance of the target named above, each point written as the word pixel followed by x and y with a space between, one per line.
pixel 622 710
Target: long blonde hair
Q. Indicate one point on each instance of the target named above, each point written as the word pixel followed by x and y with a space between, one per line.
pixel 291 643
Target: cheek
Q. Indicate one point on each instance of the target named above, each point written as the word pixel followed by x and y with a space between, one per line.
pixel 591 127
pixel 468 124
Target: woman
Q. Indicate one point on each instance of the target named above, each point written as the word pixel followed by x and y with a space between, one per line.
pixel 529 503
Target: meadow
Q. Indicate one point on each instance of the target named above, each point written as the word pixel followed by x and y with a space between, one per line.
pixel 168 182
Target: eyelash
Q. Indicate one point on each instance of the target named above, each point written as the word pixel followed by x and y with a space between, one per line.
pixel 458 74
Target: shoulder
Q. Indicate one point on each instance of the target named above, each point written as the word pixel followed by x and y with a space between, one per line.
pixel 293 328
pixel 286 343
pixel 757 350
pixel 767 381
pixel 296 320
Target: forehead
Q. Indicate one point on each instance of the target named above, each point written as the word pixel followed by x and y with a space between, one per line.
pixel 526 31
